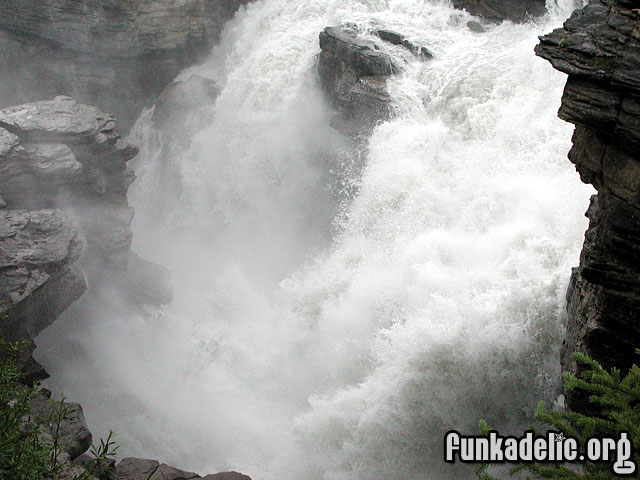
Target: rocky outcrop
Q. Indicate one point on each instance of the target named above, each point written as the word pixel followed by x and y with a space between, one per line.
pixel 498 10
pixel 179 109
pixel 113 54
pixel 67 419
pixel 142 469
pixel 62 154
pixel 64 181
pixel 353 72
pixel 38 280
pixel 599 47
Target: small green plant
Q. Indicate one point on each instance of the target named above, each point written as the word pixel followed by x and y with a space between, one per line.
pixel 101 465
pixel 565 41
pixel 32 446
pixel 23 454
pixel 618 402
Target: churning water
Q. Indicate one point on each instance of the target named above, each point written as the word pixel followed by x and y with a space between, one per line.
pixel 336 312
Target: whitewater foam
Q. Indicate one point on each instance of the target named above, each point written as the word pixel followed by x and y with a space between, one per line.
pixel 321 336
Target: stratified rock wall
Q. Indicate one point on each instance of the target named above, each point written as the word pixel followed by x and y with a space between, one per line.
pixel 63 184
pixel 62 154
pixel 115 54
pixel 599 47
pixel 37 278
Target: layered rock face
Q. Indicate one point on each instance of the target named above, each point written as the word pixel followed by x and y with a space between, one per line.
pixel 62 154
pixel 63 185
pixel 38 280
pixel 64 182
pixel 353 72
pixel 498 10
pixel 599 47
pixel 114 54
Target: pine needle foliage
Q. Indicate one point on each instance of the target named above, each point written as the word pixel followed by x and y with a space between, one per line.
pixel 617 399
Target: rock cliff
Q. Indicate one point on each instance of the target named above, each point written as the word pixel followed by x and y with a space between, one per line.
pixel 115 54
pixel 63 185
pixel 599 48
pixel 62 154
pixel 64 181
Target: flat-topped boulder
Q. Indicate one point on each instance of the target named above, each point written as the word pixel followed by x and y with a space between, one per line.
pixel 62 119
pixel 498 10
pixel 363 56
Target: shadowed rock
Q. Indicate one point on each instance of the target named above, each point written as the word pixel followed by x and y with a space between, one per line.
pixel 226 476
pixel 600 50
pixel 37 282
pixel 113 54
pixel 498 10
pixel 73 434
pixel 180 108
pixel 141 469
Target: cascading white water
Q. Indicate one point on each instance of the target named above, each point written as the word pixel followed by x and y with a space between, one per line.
pixel 321 336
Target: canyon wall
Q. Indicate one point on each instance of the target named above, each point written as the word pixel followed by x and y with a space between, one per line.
pixel 64 182
pixel 109 53
pixel 65 224
pixel 599 48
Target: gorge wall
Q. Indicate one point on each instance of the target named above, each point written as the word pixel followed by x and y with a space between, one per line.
pixel 59 160
pixel 65 223
pixel 599 48
pixel 112 54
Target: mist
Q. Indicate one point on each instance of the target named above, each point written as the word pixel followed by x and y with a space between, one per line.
pixel 339 306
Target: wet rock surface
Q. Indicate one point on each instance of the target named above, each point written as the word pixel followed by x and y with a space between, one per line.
pixel 499 10
pixel 353 73
pixel 113 54
pixel 599 48
pixel 143 469
pixel 37 278
pixel 62 154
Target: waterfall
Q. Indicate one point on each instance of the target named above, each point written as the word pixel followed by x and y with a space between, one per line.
pixel 338 308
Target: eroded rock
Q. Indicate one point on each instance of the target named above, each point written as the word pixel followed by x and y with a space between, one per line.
pixel 498 10
pixel 37 280
pixel 59 153
pixel 68 420
pixel 113 54
pixel 599 48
